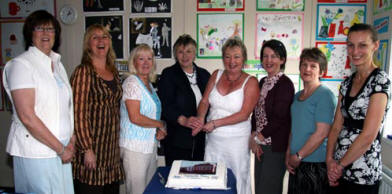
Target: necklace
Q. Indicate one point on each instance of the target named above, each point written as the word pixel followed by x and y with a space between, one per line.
pixel 192 77
pixel 234 80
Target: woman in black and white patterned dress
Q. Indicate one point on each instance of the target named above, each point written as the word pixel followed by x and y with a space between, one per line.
pixel 354 142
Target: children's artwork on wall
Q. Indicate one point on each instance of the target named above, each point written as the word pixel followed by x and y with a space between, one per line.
pixel 338 62
pixel 220 5
pixel 11 42
pixel 150 6
pixel 154 31
pixel 16 9
pixel 342 1
pixel 254 68
pixel 214 29
pixel 296 79
pixel 333 85
pixel 103 5
pixel 286 27
pixel 282 5
pixel 334 20
pixel 380 6
pixel 381 24
pixel 381 56
pixel 115 27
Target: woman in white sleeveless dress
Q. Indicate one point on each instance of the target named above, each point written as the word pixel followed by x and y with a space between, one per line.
pixel 231 95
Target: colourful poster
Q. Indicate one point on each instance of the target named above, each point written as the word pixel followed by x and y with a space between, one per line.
pixel 286 27
pixel 381 24
pixel 380 6
pixel 253 67
pixel 16 9
pixel 281 5
pixel 11 42
pixel 334 20
pixel 214 29
pixel 342 1
pixel 220 5
pixel 333 85
pixel 381 56
pixel 338 62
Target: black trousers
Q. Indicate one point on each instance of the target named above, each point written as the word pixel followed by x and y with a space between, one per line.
pixel 176 153
pixel 83 188
pixel 346 187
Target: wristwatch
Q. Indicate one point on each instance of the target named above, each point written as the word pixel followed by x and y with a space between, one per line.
pixel 299 156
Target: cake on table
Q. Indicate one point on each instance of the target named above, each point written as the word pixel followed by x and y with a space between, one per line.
pixel 197 174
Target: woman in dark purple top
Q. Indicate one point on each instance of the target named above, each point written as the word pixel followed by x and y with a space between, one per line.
pixel 271 120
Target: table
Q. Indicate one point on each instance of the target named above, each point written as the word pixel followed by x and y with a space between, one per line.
pixel 156 187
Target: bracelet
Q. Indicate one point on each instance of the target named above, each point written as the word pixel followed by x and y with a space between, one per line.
pixel 257 140
pixel 62 151
pixel 213 124
pixel 340 164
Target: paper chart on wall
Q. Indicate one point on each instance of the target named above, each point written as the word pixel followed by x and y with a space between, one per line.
pixel 281 5
pixel 11 42
pixel 220 5
pixel 380 6
pixel 381 24
pixel 334 20
pixel 22 8
pixel 214 29
pixel 333 85
pixel 342 1
pixel 382 55
pixel 338 63
pixel 286 27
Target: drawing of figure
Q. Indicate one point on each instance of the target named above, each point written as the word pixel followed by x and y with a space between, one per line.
pixel 165 34
pixel 90 3
pixel 155 38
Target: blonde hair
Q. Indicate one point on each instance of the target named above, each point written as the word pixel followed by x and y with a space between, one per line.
pixel 135 53
pixel 86 57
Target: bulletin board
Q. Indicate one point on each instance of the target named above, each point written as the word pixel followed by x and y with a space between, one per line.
pixel 380 6
pixel 286 27
pixel 342 1
pixel 381 24
pixel 11 41
pixel 338 62
pixel 142 6
pixel 334 20
pixel 102 5
pixel 214 29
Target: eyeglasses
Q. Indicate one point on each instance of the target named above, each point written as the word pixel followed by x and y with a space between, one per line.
pixel 42 29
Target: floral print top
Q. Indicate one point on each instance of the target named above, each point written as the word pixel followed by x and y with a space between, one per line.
pixel 366 170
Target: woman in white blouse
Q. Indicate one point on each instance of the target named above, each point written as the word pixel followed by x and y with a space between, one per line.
pixel 41 139
pixel 141 126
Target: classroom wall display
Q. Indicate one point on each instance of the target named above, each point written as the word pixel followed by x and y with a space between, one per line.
pixel 282 5
pixel 380 6
pixel 154 31
pixel 286 27
pixel 254 68
pixel 333 85
pixel 220 5
pixel 342 1
pixel 296 79
pixel 11 42
pixel 338 62
pixel 334 20
pixel 103 5
pixel 16 9
pixel 151 6
pixel 381 24
pixel 381 56
pixel 115 27
pixel 214 29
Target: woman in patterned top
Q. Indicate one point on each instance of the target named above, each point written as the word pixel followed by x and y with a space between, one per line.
pixel 354 143
pixel 97 92
pixel 141 126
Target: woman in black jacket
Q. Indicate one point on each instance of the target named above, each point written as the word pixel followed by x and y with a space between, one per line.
pixel 180 89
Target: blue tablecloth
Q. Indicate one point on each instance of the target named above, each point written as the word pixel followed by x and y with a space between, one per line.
pixel 155 186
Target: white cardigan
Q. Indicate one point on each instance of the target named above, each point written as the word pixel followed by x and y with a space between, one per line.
pixel 36 66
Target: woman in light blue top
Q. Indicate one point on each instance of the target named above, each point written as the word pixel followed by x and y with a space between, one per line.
pixel 141 126
pixel 312 113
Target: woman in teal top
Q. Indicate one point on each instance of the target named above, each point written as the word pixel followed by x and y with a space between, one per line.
pixel 312 114
pixel 141 126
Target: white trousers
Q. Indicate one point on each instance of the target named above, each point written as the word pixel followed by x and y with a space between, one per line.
pixel 139 169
